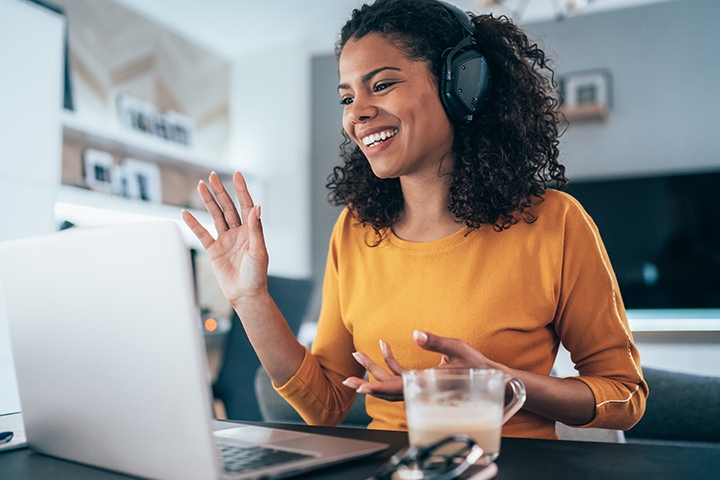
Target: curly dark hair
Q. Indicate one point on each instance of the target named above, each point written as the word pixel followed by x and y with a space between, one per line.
pixel 504 158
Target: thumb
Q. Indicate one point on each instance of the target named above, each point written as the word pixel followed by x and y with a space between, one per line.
pixel 450 347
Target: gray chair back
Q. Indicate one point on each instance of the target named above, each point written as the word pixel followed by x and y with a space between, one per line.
pixel 274 408
pixel 680 407
pixel 235 383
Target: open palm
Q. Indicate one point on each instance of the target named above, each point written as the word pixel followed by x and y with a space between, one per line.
pixel 238 255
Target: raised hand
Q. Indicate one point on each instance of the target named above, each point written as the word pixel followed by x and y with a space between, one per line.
pixel 238 255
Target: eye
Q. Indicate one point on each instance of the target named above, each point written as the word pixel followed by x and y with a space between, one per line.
pixel 382 86
pixel 346 101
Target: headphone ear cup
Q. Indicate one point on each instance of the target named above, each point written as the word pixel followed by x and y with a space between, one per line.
pixel 467 90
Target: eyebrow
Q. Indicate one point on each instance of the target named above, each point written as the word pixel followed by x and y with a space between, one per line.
pixel 368 76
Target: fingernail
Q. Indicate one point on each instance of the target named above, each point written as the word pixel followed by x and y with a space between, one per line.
pixel 357 357
pixel 361 389
pixel 259 210
pixel 201 182
pixel 213 173
pixel 420 337
pixel 383 348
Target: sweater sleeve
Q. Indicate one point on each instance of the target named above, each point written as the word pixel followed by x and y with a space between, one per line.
pixel 316 390
pixel 592 325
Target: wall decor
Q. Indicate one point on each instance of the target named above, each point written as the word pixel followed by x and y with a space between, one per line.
pixel 99 169
pixel 141 180
pixel 114 50
pixel 140 115
pixel 586 95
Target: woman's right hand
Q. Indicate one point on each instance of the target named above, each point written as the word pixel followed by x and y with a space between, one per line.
pixel 238 255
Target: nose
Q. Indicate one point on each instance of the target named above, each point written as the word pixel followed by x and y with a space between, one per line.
pixel 361 109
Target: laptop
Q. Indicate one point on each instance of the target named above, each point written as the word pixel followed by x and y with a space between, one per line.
pixel 110 361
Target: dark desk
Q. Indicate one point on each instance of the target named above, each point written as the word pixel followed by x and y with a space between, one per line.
pixel 519 459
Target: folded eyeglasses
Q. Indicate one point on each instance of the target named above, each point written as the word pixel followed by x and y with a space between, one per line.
pixel 444 460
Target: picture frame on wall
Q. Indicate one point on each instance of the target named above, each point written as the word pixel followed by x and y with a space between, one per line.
pixel 99 170
pixel 141 180
pixel 142 116
pixel 586 95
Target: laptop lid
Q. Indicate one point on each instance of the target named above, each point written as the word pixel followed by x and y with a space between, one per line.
pixel 109 354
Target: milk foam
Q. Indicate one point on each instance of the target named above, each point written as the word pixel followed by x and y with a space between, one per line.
pixel 482 421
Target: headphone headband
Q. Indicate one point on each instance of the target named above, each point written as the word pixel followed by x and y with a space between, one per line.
pixel 461 17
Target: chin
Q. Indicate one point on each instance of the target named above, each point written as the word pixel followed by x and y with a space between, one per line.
pixel 382 174
pixel 379 168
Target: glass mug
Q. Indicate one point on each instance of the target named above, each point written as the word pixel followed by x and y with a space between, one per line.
pixel 440 402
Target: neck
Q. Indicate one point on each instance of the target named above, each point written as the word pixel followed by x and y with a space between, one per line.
pixel 425 216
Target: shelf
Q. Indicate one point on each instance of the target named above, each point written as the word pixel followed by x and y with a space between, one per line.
pixel 674 320
pixel 136 144
pixel 588 111
pixel 89 208
pixel 185 167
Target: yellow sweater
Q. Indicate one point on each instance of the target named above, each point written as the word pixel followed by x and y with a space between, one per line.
pixel 512 295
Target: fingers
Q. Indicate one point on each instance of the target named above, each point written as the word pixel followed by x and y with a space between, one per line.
pixel 387 390
pixel 200 232
pixel 451 348
pixel 390 360
pixel 212 207
pixel 354 382
pixel 455 352
pixel 243 195
pixel 375 370
pixel 391 390
pixel 230 213
pixel 257 238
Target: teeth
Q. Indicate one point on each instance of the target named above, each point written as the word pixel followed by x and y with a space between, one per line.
pixel 372 140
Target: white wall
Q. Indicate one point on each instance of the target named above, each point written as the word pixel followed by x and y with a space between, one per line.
pixel 31 55
pixel 270 137
pixel 665 69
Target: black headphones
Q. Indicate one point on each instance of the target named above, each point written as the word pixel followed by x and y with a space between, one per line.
pixel 465 76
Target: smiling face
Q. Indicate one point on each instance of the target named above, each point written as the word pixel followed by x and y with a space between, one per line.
pixel 392 109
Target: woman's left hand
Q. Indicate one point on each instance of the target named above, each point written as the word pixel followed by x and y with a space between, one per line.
pixel 389 386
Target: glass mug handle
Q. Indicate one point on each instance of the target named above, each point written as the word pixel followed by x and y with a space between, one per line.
pixel 518 398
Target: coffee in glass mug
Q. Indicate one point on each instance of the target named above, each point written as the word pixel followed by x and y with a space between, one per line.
pixel 441 402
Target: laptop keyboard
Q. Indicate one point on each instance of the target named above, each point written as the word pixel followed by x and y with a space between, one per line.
pixel 241 458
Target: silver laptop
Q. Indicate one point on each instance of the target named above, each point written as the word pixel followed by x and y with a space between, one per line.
pixel 110 361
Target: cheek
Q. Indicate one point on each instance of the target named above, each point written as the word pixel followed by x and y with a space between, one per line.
pixel 347 125
pixel 433 105
pixel 430 121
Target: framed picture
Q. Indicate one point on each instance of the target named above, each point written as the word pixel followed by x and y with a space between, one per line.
pixel 140 115
pixel 100 170
pixel 141 180
pixel 586 95
pixel 136 114
pixel 179 128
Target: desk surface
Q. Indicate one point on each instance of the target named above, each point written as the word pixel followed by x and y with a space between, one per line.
pixel 519 459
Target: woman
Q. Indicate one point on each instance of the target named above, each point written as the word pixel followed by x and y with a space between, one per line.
pixel 451 248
